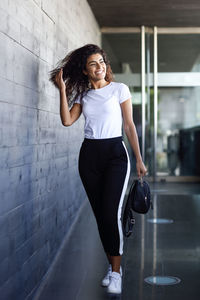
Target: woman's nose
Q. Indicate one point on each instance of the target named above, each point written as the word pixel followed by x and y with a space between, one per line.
pixel 98 66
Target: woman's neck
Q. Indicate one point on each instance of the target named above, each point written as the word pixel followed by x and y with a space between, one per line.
pixel 99 84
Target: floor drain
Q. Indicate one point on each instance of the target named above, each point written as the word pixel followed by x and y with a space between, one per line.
pixel 160 221
pixel 162 280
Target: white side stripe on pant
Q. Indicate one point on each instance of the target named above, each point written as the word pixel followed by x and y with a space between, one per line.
pixel 121 239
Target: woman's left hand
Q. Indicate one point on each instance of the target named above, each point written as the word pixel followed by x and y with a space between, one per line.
pixel 141 169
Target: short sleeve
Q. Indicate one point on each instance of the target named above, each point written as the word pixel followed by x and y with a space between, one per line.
pixel 78 100
pixel 124 93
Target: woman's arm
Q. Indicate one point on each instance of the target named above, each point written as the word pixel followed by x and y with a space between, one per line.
pixel 68 117
pixel 130 130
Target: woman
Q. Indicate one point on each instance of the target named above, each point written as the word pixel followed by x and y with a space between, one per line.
pixel 85 81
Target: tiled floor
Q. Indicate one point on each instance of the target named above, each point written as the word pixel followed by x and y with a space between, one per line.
pixel 153 249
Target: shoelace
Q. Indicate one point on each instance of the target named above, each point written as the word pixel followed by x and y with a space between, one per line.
pixel 115 277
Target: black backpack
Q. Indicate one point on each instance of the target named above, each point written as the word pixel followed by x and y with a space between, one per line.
pixel 139 200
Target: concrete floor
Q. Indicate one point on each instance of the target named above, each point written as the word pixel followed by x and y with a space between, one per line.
pixel 153 249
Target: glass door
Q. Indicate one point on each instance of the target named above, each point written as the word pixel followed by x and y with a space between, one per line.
pixel 173 128
pixel 161 66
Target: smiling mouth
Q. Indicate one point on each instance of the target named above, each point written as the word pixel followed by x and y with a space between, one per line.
pixel 99 72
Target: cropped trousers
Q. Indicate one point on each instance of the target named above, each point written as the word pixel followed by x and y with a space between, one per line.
pixel 104 168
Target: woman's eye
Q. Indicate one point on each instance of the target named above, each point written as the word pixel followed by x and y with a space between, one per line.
pixel 101 62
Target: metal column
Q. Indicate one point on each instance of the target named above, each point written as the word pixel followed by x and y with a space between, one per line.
pixel 143 88
pixel 155 50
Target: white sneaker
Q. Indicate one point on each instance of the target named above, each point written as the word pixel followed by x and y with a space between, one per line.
pixel 106 279
pixel 115 285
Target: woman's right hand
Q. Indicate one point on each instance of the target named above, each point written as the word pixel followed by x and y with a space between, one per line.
pixel 59 80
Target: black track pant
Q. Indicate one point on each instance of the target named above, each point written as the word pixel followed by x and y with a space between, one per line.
pixel 104 168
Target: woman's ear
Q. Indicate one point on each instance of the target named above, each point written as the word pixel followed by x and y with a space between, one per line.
pixel 85 72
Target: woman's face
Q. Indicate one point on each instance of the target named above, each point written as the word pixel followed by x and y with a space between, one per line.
pixel 95 67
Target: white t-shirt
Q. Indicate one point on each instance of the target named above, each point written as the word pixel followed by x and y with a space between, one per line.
pixel 102 111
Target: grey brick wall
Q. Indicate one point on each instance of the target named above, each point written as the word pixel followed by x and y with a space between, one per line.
pixel 40 188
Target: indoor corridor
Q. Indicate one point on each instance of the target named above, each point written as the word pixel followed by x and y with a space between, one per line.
pixel 154 249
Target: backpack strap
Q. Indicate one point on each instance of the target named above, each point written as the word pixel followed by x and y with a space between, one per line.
pixel 128 217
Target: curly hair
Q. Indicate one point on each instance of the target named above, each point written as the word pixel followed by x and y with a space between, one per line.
pixel 76 82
